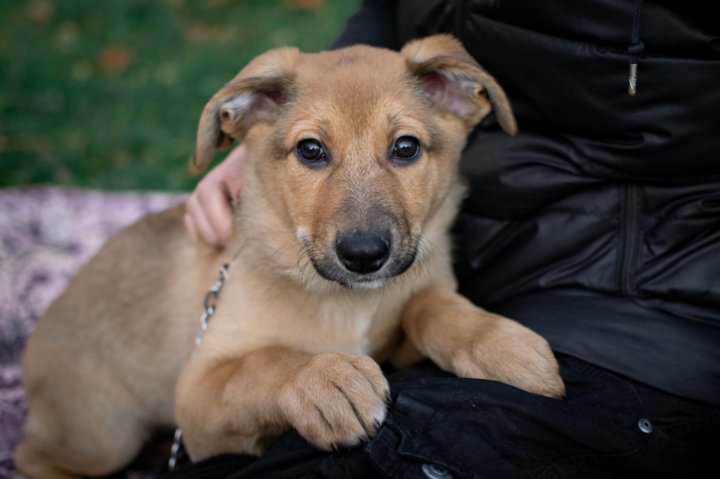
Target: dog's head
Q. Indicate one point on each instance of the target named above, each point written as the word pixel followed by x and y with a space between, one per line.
pixel 353 152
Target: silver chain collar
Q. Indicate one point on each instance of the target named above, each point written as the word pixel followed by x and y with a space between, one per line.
pixel 209 306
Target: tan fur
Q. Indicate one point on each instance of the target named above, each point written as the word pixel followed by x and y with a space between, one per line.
pixel 289 346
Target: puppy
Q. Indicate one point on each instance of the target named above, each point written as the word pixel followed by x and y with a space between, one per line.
pixel 342 260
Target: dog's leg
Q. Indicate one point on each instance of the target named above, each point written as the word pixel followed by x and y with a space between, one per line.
pixel 62 445
pixel 30 464
pixel 470 342
pixel 75 424
pixel 241 404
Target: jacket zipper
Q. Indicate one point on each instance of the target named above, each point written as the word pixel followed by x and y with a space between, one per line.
pixel 629 239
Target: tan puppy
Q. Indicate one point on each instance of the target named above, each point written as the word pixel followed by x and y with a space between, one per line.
pixel 344 256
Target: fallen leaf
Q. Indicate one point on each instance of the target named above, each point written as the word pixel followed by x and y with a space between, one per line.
pixel 40 12
pixel 304 4
pixel 202 32
pixel 115 59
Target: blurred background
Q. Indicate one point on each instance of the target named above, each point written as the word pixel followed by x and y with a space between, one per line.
pixel 107 94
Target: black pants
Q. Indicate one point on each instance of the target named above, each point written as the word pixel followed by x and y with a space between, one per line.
pixel 441 426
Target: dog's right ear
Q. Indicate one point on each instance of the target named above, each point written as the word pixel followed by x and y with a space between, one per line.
pixel 256 94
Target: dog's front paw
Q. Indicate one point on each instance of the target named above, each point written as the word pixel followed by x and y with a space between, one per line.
pixel 507 351
pixel 336 400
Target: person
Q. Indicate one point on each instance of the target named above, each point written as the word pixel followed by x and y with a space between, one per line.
pixel 598 226
pixel 209 216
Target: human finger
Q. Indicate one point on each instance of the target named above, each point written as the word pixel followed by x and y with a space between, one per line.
pixel 202 226
pixel 215 204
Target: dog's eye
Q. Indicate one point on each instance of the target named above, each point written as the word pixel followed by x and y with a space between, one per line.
pixel 406 149
pixel 311 152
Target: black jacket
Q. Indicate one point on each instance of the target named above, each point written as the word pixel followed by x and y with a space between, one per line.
pixel 599 224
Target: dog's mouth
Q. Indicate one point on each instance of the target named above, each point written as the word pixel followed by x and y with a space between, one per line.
pixel 332 271
pixel 362 260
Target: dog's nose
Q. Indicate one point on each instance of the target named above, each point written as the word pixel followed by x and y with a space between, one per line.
pixel 363 252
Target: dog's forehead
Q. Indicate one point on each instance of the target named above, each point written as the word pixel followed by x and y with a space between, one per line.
pixel 358 70
pixel 355 90
pixel 361 56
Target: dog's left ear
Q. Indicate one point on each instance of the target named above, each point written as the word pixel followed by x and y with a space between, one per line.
pixel 255 95
pixel 455 83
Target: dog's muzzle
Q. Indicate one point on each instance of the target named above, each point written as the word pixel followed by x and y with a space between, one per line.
pixel 363 259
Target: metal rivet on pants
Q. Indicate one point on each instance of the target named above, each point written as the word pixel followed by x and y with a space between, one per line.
pixel 435 472
pixel 645 425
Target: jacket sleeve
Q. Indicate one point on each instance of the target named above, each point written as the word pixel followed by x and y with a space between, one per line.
pixel 374 24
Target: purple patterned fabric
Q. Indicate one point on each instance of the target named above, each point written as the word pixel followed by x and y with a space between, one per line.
pixel 46 235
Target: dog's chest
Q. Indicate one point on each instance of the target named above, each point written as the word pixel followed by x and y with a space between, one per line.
pixel 249 318
pixel 363 326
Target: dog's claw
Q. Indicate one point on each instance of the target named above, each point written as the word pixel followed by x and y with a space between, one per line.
pixel 334 398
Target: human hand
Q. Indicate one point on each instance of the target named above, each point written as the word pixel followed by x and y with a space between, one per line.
pixel 209 216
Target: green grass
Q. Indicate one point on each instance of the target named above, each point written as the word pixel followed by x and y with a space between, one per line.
pixel 107 94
